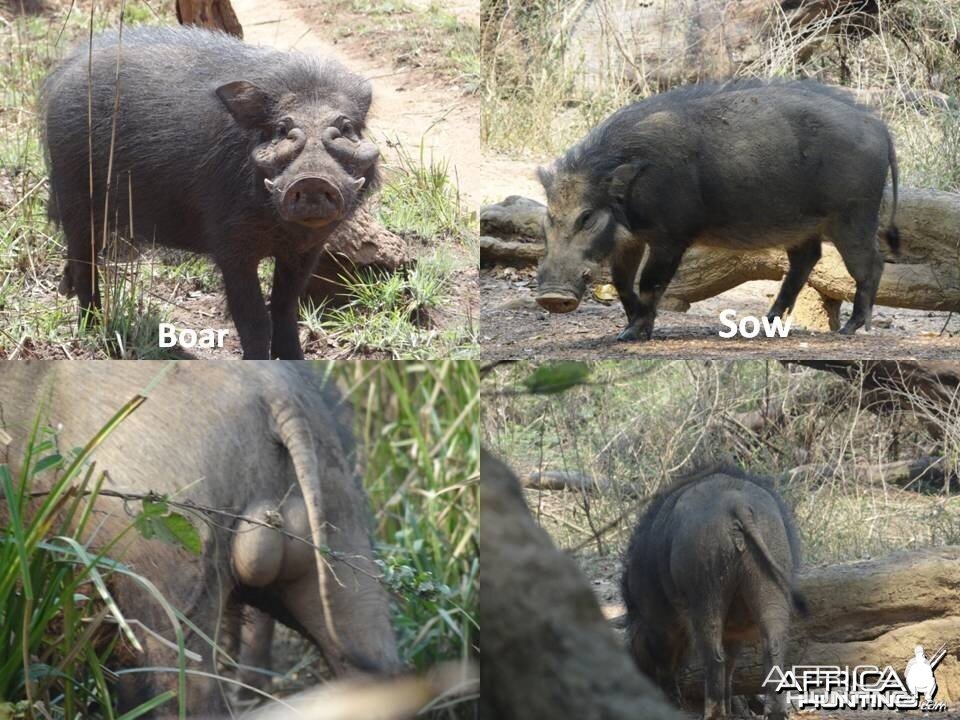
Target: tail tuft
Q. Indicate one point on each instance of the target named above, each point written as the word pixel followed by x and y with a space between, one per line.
pixel 800 604
pixel 893 239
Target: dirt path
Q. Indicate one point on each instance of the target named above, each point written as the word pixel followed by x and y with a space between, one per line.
pixel 409 105
pixel 514 327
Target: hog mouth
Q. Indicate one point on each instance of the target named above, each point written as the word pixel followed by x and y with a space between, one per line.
pixel 309 199
pixel 314 200
pixel 558 300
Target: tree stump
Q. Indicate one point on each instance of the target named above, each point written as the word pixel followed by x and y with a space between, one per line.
pixel 212 14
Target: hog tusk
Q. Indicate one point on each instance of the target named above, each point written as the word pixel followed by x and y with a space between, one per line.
pixel 359 183
pixel 269 184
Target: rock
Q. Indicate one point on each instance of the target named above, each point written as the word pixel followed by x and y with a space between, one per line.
pixel 516 217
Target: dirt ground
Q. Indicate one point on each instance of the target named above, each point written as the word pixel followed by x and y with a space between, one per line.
pixel 514 327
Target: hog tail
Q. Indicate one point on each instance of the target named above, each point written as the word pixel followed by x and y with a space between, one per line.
pixel 293 431
pixel 750 531
pixel 893 234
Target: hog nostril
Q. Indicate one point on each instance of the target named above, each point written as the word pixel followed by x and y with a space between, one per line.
pixel 296 197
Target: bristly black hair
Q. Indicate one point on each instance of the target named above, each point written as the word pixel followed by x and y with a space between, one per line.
pixel 668 497
pixel 609 145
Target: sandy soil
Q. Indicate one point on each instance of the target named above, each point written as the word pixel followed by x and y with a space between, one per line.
pixel 514 327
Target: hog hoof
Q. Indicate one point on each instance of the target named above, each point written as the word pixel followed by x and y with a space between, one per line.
pixel 635 333
pixel 848 329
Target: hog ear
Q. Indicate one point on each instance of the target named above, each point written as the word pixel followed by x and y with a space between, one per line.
pixel 623 177
pixel 547 176
pixel 365 97
pixel 249 105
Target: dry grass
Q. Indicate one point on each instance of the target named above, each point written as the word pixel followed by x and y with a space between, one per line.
pixel 639 423
pixel 541 93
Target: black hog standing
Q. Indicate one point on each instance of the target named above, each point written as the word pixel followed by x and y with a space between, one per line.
pixel 743 166
pixel 214 146
pixel 711 563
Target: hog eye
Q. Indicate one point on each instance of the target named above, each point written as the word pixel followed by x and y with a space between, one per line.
pixel 347 128
pixel 283 129
pixel 586 218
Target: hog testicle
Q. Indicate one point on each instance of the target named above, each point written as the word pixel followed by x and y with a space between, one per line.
pixel 218 147
pixel 747 166
pixel 266 440
pixel 712 563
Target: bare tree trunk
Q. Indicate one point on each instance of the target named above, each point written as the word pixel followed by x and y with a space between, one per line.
pixel 547 651
pixel 211 14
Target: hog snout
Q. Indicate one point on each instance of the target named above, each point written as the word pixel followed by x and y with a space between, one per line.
pixel 556 301
pixel 312 200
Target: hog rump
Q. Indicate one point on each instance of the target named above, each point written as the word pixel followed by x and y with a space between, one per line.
pixel 710 564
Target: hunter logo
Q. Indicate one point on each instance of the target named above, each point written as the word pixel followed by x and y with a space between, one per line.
pixel 864 687
pixel 919 673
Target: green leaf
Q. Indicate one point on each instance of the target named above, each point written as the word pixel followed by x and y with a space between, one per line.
pixel 158 521
pixel 48 462
pixel 556 377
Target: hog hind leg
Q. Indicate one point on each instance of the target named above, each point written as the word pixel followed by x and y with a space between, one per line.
pixel 802 259
pixel 707 631
pixel 80 274
pixel 773 619
pixel 854 236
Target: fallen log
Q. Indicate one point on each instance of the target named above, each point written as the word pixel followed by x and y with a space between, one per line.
pixel 564 480
pixel 870 612
pixel 513 253
pixel 547 650
pixel 923 474
pixel 359 244
pixel 926 276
